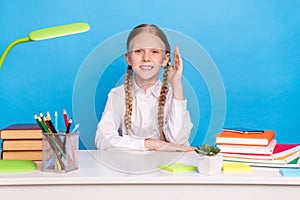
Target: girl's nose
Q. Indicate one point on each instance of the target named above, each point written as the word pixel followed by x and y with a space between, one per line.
pixel 146 57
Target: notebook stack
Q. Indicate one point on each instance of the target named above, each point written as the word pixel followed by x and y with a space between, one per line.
pixel 256 148
pixel 21 142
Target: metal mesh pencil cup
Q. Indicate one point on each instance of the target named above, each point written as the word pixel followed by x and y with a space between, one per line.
pixel 60 152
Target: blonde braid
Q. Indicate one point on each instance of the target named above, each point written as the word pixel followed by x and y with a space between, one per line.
pixel 128 99
pixel 161 103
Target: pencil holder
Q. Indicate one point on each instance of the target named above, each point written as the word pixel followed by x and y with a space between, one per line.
pixel 60 152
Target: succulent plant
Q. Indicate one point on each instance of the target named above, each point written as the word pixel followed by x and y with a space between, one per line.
pixel 207 150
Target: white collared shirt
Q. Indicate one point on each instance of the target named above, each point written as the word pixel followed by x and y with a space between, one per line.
pixel 111 129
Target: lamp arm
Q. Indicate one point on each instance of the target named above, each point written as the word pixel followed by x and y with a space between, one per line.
pixel 11 45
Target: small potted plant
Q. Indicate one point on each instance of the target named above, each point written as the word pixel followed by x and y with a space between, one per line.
pixel 210 162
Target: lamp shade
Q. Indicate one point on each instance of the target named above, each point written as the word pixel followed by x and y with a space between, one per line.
pixel 58 31
pixel 48 33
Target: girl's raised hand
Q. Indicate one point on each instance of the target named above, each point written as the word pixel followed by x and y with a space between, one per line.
pixel 175 76
pixel 175 73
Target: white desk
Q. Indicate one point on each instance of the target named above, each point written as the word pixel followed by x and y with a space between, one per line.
pixel 134 175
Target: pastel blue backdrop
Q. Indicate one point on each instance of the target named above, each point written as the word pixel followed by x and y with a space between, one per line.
pixel 254 44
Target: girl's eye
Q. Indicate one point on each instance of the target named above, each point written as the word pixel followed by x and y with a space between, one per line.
pixel 155 51
pixel 138 51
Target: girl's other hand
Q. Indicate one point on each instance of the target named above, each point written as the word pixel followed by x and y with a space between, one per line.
pixel 159 145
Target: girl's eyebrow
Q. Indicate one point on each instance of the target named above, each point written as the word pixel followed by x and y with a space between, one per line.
pixel 147 48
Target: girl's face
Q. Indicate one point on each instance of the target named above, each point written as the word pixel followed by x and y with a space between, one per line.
pixel 146 56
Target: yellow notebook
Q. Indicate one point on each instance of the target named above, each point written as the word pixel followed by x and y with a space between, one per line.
pixel 236 167
pixel 178 167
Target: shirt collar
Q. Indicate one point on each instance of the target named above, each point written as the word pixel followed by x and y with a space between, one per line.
pixel 154 89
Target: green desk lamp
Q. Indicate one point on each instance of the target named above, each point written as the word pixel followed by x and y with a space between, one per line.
pixel 48 33
pixel 9 166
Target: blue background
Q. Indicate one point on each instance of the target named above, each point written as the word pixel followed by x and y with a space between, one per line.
pixel 255 45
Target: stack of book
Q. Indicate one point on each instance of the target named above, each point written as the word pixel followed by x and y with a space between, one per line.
pixel 21 142
pixel 0 148
pixel 257 148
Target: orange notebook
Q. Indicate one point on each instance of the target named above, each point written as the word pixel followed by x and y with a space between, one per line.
pixel 229 137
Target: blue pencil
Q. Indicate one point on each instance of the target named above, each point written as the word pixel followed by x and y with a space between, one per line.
pixel 49 162
pixel 75 128
pixel 56 120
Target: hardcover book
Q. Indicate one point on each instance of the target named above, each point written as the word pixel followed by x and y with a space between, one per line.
pixel 245 149
pixel 228 137
pixel 11 145
pixel 21 131
pixel 22 155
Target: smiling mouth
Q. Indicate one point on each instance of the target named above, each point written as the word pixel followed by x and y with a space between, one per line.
pixel 146 67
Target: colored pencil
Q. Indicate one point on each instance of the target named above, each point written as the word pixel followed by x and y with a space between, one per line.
pixel 69 125
pixel 56 120
pixel 75 128
pixel 65 117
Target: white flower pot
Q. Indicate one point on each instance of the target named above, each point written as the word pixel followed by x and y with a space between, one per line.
pixel 210 165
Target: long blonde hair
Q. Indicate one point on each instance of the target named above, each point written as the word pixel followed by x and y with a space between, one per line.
pixel 128 79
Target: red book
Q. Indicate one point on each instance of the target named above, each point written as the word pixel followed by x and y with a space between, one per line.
pixel 281 150
pixel 235 138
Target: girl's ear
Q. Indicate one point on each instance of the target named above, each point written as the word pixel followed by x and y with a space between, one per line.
pixel 127 56
pixel 166 59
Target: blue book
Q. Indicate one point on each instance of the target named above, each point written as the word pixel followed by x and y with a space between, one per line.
pixel 0 145
pixel 290 172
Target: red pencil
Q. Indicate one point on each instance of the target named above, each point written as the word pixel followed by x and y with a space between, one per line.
pixel 66 118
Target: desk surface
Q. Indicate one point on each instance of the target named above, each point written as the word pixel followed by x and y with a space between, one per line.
pixel 111 169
